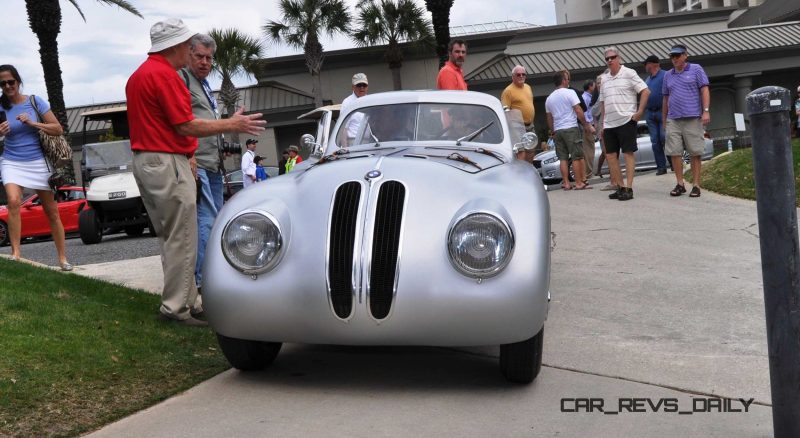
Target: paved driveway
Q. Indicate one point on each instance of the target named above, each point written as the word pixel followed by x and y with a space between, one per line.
pixel 654 298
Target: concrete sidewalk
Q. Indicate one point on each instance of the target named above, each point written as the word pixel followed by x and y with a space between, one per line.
pixel 654 298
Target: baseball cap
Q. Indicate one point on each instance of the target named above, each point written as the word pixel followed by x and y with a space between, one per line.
pixel 652 58
pixel 294 148
pixel 677 49
pixel 360 78
pixel 168 33
pixel 250 141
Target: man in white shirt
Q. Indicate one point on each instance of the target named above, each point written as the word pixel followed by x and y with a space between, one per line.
pixel 618 104
pixel 564 113
pixel 248 163
pixel 360 87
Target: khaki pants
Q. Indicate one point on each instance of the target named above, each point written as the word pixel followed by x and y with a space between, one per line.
pixel 588 152
pixel 169 192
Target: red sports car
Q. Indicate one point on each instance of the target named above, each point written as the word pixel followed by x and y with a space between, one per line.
pixel 71 201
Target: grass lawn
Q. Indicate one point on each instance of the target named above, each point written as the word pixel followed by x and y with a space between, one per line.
pixel 733 174
pixel 78 353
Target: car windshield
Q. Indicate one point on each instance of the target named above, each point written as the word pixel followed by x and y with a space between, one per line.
pixel 420 122
pixel 109 154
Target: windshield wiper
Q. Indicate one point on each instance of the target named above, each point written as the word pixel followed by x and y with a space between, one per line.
pixel 377 142
pixel 458 157
pixel 471 136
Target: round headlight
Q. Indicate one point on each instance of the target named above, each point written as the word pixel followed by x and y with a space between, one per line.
pixel 251 242
pixel 480 245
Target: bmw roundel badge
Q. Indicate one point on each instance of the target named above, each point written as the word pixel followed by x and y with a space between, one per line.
pixel 372 174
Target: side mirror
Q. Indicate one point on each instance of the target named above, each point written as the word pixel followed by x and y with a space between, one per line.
pixel 309 142
pixel 528 143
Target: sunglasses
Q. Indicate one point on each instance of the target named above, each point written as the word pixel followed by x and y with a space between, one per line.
pixel 520 75
pixel 609 58
pixel 362 85
pixel 10 83
pixel 675 55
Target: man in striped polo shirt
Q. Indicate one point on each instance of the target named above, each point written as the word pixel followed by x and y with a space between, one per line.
pixel 685 108
pixel 618 105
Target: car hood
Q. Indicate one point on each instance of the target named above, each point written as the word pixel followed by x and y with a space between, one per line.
pixel 435 184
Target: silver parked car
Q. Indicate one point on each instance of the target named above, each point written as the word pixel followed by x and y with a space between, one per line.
pixel 548 164
pixel 410 233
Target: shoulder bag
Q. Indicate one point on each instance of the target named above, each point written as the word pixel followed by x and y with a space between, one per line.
pixel 57 153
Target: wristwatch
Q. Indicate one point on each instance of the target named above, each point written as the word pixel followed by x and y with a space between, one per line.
pixel 705 110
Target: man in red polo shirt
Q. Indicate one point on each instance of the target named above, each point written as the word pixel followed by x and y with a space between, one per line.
pixel 164 136
pixel 451 77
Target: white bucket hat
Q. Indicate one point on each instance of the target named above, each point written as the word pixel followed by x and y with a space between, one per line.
pixel 168 33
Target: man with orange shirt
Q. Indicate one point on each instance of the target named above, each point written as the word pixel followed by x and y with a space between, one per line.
pixel 164 136
pixel 451 77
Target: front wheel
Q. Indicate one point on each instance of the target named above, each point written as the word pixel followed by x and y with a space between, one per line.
pixel 3 234
pixel 248 355
pixel 521 362
pixel 89 227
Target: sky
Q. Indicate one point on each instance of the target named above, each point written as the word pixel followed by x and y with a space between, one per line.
pixel 97 56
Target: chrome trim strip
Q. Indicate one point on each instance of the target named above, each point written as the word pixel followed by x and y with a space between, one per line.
pixel 366 229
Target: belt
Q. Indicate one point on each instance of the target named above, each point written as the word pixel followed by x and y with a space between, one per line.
pixel 653 108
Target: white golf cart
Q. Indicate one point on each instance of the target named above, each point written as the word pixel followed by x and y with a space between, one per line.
pixel 111 190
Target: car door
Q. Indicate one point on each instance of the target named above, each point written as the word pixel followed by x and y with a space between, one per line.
pixel 70 204
pixel 33 219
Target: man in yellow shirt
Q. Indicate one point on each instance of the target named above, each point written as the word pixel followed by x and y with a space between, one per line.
pixel 519 95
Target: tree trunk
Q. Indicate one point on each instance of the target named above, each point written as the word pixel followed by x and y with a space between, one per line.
pixel 44 18
pixel 394 57
pixel 229 96
pixel 314 58
pixel 440 17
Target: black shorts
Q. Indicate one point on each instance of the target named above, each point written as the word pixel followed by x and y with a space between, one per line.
pixel 622 138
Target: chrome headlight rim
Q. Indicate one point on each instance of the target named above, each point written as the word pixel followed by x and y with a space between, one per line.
pixel 269 265
pixel 497 269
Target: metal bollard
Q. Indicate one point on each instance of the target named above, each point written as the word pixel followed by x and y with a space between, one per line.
pixel 780 265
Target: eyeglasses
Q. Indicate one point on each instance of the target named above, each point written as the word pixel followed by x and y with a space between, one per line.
pixel 10 83
pixel 609 58
pixel 520 75
pixel 362 85
pixel 208 58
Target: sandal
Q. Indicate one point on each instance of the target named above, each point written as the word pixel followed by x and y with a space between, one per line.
pixel 679 190
pixel 566 187
pixel 695 193
pixel 583 187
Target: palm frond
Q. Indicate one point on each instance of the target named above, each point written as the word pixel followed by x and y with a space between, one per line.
pixel 75 3
pixel 122 4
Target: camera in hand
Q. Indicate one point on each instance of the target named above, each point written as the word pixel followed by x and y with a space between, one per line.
pixel 231 148
pixel 2 116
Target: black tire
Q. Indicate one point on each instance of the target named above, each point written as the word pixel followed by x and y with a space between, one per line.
pixel 134 230
pixel 3 234
pixel 89 227
pixel 248 355
pixel 151 229
pixel 521 362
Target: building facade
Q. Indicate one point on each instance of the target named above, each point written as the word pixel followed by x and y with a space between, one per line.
pixel 573 11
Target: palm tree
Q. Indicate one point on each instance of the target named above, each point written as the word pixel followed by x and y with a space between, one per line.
pixel 440 15
pixel 391 21
pixel 44 18
pixel 303 21
pixel 236 54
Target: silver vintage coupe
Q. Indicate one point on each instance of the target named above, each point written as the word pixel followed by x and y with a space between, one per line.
pixel 416 227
